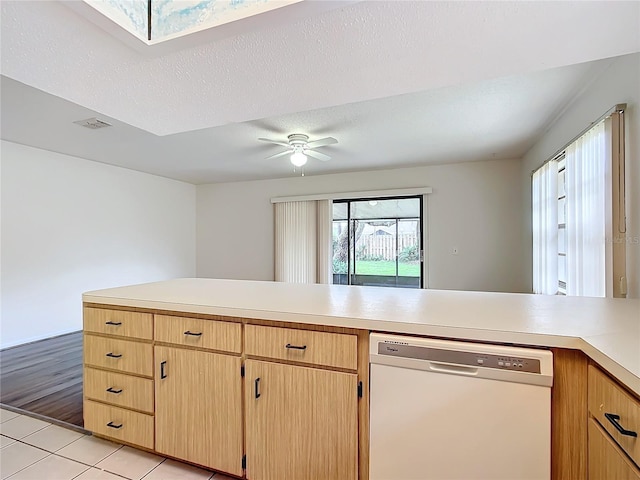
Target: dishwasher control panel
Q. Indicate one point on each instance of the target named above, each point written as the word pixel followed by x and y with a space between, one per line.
pixel 514 363
pixel 472 359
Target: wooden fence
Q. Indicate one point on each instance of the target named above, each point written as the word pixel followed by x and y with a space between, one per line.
pixel 383 247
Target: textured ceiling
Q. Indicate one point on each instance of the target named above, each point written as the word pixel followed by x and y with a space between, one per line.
pixel 363 51
pixel 398 83
pixel 497 118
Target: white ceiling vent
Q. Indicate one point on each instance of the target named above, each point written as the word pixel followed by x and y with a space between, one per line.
pixel 92 123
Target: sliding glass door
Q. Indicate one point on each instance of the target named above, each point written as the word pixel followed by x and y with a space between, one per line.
pixel 378 242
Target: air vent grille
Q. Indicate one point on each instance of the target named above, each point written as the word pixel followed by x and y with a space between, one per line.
pixel 92 123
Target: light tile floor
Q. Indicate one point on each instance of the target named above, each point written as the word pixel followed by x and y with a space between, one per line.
pixel 37 450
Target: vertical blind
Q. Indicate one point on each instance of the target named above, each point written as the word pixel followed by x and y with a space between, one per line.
pixel 595 214
pixel 586 185
pixel 303 241
pixel 545 228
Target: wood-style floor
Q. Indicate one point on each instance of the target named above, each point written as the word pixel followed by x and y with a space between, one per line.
pixel 45 377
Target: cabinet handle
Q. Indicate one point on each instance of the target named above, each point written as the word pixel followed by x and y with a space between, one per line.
pixel 112 390
pixel 163 374
pixel 614 420
pixel 192 333
pixel 296 347
pixel 113 323
pixel 257 387
pixel 112 425
pixel 113 355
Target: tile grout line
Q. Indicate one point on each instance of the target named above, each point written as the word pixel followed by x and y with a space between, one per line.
pixel 18 439
pixel 114 473
pixel 37 416
pixel 89 467
pixel 50 454
pixel 149 472
pixel 21 440
pixel 94 465
pixel 68 458
pixel 27 466
pixel 97 468
pixel 65 445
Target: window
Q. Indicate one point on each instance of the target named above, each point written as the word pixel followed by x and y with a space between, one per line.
pixel 578 215
pixel 562 228
pixel 378 241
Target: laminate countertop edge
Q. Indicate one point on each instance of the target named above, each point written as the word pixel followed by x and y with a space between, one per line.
pixel 606 330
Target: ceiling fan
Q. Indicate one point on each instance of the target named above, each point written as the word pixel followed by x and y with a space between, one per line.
pixel 299 147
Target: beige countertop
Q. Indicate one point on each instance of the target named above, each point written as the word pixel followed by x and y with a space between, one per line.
pixel 607 330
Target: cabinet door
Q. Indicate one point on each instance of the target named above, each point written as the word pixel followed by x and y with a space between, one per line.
pixel 606 461
pixel 301 423
pixel 199 408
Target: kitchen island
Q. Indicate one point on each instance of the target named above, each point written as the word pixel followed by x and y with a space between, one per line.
pixel 249 317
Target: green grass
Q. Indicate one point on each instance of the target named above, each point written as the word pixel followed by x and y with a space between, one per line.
pixel 370 267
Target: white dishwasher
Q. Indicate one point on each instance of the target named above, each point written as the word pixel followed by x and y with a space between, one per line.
pixel 456 410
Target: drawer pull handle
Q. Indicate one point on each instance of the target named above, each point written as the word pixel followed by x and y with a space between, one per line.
pixel 257 387
pixel 112 425
pixel 296 347
pixel 112 390
pixel 192 333
pixel 163 374
pixel 113 355
pixel 113 323
pixel 614 420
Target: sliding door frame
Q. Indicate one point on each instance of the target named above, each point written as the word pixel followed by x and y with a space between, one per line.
pixel 352 238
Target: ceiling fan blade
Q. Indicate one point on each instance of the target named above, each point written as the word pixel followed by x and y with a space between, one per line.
pixel 317 155
pixel 281 154
pixel 284 144
pixel 322 142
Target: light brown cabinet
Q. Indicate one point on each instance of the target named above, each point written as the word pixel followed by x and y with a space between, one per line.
pixel 119 424
pixel 606 460
pixel 614 426
pixel 199 407
pixel 118 370
pixel 302 346
pixel 260 400
pixel 301 423
pixel 127 356
pixel 119 389
pixel 303 416
pixel 198 333
pixel 198 394
pixel 119 323
pixel 308 422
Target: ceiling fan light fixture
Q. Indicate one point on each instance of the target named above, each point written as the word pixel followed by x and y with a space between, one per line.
pixel 299 148
pixel 298 158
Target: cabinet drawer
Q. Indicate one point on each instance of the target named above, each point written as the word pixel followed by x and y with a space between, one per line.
pixel 195 332
pixel 305 346
pixel 116 354
pixel 119 389
pixel 606 397
pixel 118 322
pixel 119 424
pixel 606 460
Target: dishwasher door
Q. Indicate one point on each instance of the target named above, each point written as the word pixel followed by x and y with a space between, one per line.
pixel 452 410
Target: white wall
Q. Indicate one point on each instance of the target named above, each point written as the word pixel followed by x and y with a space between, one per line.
pixel 475 207
pixel 70 225
pixel 620 83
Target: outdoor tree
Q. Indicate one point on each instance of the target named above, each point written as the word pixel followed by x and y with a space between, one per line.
pixel 341 250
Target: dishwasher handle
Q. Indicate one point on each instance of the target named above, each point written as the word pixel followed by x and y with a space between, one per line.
pixel 452 369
